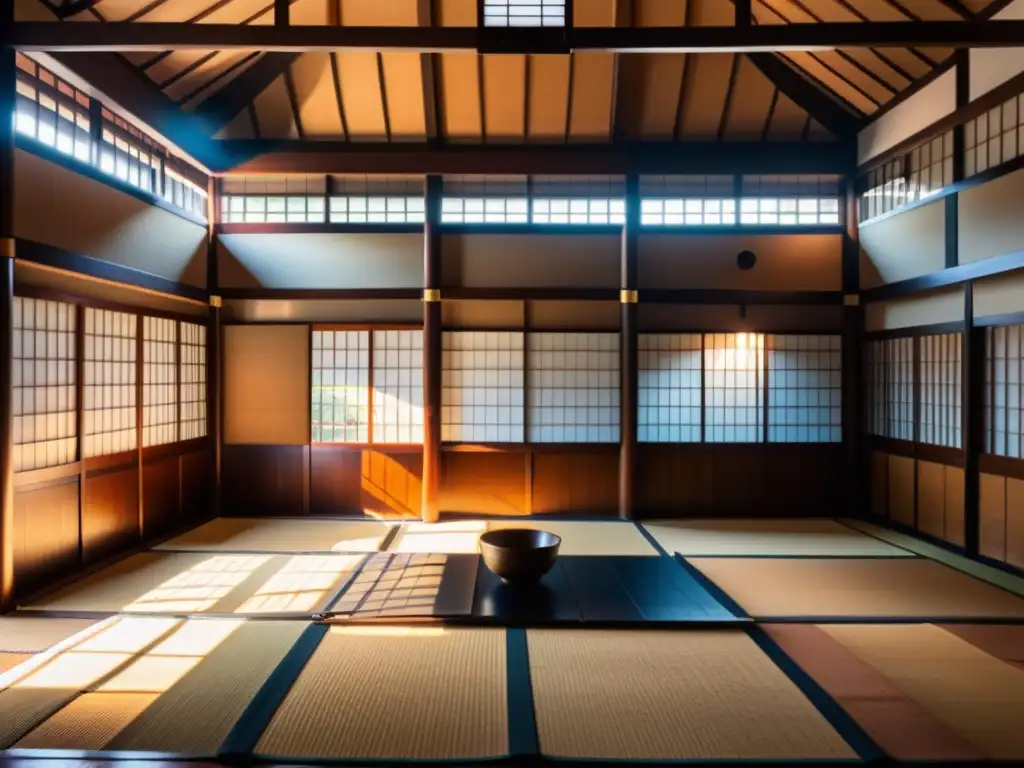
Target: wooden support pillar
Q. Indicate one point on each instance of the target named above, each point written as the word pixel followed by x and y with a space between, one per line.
pixel 972 414
pixel 628 342
pixel 214 354
pixel 432 350
pixel 852 358
pixel 7 74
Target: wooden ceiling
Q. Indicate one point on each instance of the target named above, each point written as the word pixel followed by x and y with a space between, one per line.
pixel 584 97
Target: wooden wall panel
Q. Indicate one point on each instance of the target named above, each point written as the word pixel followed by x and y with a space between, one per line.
pixel 161 496
pixel 110 520
pixel 931 498
pixel 350 480
pixel 1015 522
pixel 104 222
pixel 320 260
pixel 266 384
pixel 901 490
pixel 715 480
pixel 531 261
pixel 485 483
pixel 937 307
pixel 585 482
pixel 992 539
pixel 990 223
pixel 784 262
pixel 908 244
pixel 263 480
pixel 955 523
pixel 196 485
pixel 879 480
pixel 46 534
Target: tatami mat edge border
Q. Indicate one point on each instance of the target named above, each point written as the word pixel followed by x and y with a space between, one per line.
pixel 523 739
pixel 246 733
pixel 713 589
pixel 838 718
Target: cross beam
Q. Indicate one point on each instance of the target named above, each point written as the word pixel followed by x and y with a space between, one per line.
pixel 139 36
pixel 286 157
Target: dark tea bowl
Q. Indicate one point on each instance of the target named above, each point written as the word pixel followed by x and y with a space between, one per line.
pixel 519 556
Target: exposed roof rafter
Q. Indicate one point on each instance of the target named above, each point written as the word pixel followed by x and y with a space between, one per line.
pixel 816 102
pixel 218 110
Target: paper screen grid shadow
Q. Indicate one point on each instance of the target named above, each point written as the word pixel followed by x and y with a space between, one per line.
pixel 410 585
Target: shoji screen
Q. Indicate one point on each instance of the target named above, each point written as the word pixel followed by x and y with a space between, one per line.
pixel 940 389
pixel 733 387
pixel 669 388
pixel 341 386
pixel 192 380
pixel 43 396
pixel 482 380
pixel 804 389
pixel 398 386
pixel 159 404
pixel 573 387
pixel 890 373
pixel 109 382
pixel 1004 371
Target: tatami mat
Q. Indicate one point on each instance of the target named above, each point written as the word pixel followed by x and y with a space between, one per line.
pixel 980 697
pixel 32 635
pixel 578 537
pixel 181 697
pixel 661 695
pixel 852 588
pixel 39 687
pixel 195 582
pixel 941 554
pixel 11 660
pixel 822 538
pixel 900 726
pixel 428 693
pixel 227 534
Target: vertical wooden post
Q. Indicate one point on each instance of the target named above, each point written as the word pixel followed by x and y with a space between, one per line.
pixel 852 357
pixel 431 350
pixel 7 75
pixel 628 342
pixel 140 407
pixel 214 355
pixel 972 415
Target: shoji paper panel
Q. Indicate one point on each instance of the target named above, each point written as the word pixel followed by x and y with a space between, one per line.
pixel 804 389
pixel 940 389
pixel 341 386
pixel 669 388
pixel 43 396
pixel 573 387
pixel 398 386
pixel 109 382
pixel 890 387
pixel 192 380
pixel 1004 370
pixel 482 380
pixel 159 403
pixel 733 387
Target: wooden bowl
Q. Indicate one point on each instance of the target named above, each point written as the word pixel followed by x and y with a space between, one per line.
pixel 519 556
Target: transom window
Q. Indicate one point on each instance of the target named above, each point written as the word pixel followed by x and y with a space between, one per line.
pixel 524 13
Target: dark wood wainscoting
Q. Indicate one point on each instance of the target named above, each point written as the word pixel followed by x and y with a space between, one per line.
pixel 110 518
pixel 261 480
pixel 776 479
pixel 385 482
pixel 584 480
pixel 46 528
pixel 197 479
pixel 177 481
pixel 161 496
pixel 490 482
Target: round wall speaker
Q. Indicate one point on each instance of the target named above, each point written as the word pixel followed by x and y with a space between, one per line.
pixel 746 260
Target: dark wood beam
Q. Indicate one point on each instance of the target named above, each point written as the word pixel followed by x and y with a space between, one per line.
pixel 430 510
pixel 64 9
pixel 833 114
pixel 852 352
pixel 972 415
pixel 958 8
pixel 744 16
pixel 259 156
pixel 281 15
pixel 629 283
pixel 121 36
pixel 223 106
pixel 214 355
